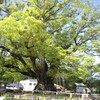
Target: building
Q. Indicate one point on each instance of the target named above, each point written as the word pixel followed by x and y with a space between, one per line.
pixel 28 84
pixel 80 87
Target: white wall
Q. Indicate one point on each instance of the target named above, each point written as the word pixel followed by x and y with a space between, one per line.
pixel 29 84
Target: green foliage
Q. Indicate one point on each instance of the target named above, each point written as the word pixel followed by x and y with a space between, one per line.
pixel 59 31
pixel 11 77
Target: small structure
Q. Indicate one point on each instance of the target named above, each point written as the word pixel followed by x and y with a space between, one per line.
pixel 59 87
pixel 80 88
pixel 28 84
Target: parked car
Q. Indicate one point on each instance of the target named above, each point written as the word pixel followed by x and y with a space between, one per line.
pixel 14 86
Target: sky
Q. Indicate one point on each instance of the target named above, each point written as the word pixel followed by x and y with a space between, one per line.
pixel 96 2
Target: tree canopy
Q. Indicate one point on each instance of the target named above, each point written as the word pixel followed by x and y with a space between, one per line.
pixel 39 38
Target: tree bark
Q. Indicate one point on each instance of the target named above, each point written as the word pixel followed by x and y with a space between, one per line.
pixel 44 82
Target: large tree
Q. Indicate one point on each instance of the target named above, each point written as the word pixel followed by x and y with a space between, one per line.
pixel 41 36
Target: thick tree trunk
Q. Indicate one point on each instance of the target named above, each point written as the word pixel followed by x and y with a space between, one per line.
pixel 44 82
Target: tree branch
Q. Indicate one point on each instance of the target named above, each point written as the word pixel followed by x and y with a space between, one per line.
pixel 77 33
pixel 17 56
pixel 45 19
pixel 28 72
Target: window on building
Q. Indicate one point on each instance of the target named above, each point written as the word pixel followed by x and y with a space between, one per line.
pixel 30 83
pixel 34 83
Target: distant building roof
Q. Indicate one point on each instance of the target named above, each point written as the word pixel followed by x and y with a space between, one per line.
pixel 80 84
pixel 29 80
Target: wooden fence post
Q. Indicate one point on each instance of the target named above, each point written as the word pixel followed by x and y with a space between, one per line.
pixel 70 95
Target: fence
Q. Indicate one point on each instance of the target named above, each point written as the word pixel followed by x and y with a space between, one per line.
pixel 50 95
